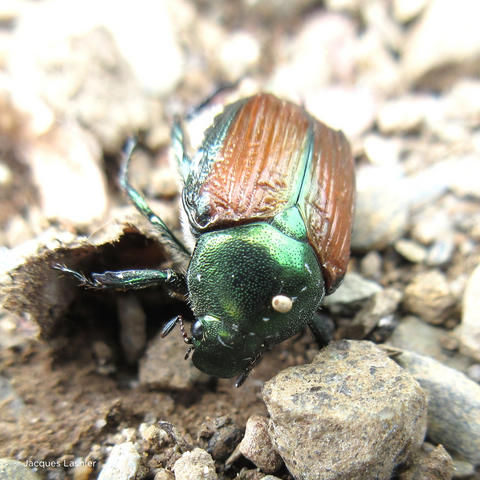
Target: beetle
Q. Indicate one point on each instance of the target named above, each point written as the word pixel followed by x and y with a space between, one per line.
pixel 267 204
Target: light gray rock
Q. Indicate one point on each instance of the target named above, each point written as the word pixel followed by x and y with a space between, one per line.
pixel 428 295
pixel 444 45
pixel 425 339
pixel 441 252
pixel 257 445
pixel 381 209
pixel 353 289
pixel 11 469
pixel 122 463
pixel 453 404
pixel 411 250
pixel 380 306
pixel 309 55
pixel 469 330
pixel 406 10
pixel 327 104
pixel 195 465
pixel 163 365
pixel 350 414
pixel 88 66
pixel 66 163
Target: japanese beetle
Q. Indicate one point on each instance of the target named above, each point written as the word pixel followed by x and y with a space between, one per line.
pixel 268 202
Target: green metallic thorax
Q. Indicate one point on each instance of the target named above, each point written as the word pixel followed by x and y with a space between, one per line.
pixel 233 276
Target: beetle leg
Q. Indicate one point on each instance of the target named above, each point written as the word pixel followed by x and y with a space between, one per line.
pixel 129 279
pixel 244 375
pixel 322 329
pixel 171 242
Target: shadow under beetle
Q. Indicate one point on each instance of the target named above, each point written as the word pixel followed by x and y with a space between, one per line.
pixel 268 201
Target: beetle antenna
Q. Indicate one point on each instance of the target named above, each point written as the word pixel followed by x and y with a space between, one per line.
pixel 188 340
pixel 169 326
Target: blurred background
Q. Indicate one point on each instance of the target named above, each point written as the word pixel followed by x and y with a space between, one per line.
pixel 401 78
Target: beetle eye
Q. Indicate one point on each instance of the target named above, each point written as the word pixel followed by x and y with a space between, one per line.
pixel 197 330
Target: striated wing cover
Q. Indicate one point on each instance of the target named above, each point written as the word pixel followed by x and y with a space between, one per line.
pixel 263 155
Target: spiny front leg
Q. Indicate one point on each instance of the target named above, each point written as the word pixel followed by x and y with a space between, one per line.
pixel 129 279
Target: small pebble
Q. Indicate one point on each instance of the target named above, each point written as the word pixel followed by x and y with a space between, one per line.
pixel 469 330
pixel 353 289
pixel 440 253
pixel 463 470
pixel 371 265
pixel 257 445
pixel 430 465
pixel 377 411
pixel 453 404
pixel 195 465
pixel 428 296
pixel 411 250
pixel 219 436
pixel 122 463
pixel 381 305
pixel 164 475
pixel 11 469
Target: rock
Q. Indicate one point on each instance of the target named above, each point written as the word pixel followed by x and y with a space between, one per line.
pixel 444 45
pixel 425 339
pixel 405 114
pixel 87 67
pixel 382 151
pixel 12 404
pixel 122 463
pixel 320 52
pixel 164 475
pixel 464 182
pixel 11 469
pixel 195 465
pixel 406 10
pixel 428 296
pixel 469 330
pixel 219 436
pixel 441 252
pixel 163 365
pixel 239 54
pixel 453 404
pixel 463 470
pixel 430 465
pixel 473 372
pixel 430 225
pixel 380 306
pixel 257 445
pixel 327 105
pixel 381 209
pixel 371 265
pixel 133 324
pixel 411 250
pixel 350 414
pixel 66 165
pixel 354 289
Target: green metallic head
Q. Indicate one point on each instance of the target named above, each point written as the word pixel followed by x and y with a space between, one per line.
pixel 250 288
